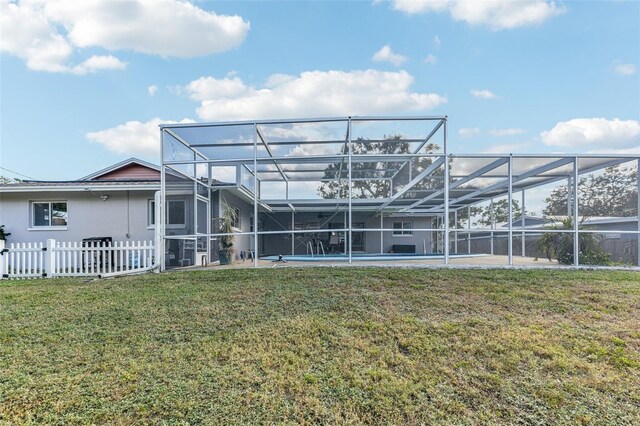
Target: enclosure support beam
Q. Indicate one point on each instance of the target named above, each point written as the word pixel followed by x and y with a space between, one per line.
pixel 422 144
pixel 569 209
pixel 519 178
pixel 293 236
pixel 638 213
pixel 160 207
pixel 159 237
pixel 381 233
pixel 209 218
pixel 455 223
pixel 350 191
pixel 459 182
pixel 423 174
pixel 510 210
pixel 493 223
pixel 576 242
pixel 446 197
pixel 468 228
pixel 522 224
pixel 255 195
pixel 275 163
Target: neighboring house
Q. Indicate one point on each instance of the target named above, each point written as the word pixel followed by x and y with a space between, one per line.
pixel 114 202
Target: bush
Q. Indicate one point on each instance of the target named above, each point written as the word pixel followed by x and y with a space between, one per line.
pixel 560 246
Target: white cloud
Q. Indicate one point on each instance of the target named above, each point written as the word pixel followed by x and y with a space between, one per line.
pixel 468 132
pixel 385 54
pixel 420 6
pixel 431 59
pixel 133 137
pixel 483 94
pixel 312 93
pixel 275 80
pixel 594 133
pixel 506 148
pixel 625 69
pixel 623 151
pixel 46 34
pixel 437 42
pixel 152 90
pixel 495 14
pixel 209 88
pixel 505 132
pixel 96 63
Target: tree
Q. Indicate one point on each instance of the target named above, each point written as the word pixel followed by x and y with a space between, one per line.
pixel 372 174
pixel 5 180
pixel 500 213
pixel 225 226
pixel 613 193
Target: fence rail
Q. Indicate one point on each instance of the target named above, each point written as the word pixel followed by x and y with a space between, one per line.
pixel 74 259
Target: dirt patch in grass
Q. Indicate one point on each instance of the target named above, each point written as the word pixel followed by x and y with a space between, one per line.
pixel 334 346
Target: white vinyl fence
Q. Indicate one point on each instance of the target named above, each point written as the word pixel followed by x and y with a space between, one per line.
pixel 74 259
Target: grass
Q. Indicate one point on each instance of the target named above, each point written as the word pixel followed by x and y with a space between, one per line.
pixel 323 346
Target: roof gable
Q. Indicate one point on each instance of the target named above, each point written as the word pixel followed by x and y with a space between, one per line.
pixel 131 169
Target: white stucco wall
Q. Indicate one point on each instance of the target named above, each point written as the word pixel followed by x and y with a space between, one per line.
pixel 123 216
pixel 418 238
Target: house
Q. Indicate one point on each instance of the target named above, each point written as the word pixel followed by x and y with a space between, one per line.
pixel 116 202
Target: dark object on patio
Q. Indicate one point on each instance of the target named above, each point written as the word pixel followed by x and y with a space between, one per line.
pixel 403 248
pixel 95 243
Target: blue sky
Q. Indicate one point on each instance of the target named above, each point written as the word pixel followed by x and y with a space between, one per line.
pixel 84 84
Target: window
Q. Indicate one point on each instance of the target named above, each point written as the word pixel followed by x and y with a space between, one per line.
pixel 151 213
pixel 49 214
pixel 175 213
pixel 402 228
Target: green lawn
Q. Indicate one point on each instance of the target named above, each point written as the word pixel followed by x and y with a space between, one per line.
pixel 323 345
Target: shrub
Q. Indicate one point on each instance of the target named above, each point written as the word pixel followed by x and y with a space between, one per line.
pixel 559 245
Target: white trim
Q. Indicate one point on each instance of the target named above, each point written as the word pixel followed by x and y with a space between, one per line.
pixel 48 228
pixel 79 188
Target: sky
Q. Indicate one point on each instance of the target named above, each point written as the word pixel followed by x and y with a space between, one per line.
pixel 84 85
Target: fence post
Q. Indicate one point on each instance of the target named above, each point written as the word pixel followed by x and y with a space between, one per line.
pixel 2 259
pixel 50 259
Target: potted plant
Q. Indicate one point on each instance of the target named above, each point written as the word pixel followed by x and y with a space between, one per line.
pixel 225 243
pixel 3 233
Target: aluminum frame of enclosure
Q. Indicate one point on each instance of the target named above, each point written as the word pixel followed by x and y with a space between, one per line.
pixel 267 164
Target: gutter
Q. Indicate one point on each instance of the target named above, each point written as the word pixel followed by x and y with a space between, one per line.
pixel 80 188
